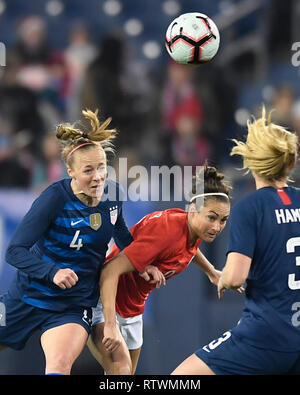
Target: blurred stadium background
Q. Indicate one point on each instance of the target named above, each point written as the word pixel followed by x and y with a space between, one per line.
pixel 64 55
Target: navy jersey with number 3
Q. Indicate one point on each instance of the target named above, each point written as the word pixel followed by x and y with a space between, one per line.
pixel 266 227
pixel 59 231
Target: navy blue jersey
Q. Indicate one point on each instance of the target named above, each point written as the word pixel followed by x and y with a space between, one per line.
pixel 266 227
pixel 59 231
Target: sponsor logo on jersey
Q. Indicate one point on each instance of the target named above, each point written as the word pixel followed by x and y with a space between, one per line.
pixel 73 223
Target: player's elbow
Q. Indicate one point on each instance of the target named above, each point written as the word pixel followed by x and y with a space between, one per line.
pixel 236 270
pixel 117 266
pixel 232 280
pixel 11 253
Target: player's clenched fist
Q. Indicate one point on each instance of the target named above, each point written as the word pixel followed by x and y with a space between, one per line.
pixel 111 338
pixel 65 278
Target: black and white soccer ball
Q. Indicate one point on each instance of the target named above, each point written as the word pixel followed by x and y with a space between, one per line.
pixel 192 38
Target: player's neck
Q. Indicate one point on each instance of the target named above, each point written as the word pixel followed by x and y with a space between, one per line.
pixel 192 235
pixel 260 183
pixel 85 199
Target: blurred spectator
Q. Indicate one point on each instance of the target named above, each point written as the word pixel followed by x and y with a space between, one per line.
pixel 33 46
pixel 57 90
pixel 33 51
pixel 80 51
pixel 41 69
pixel 14 171
pixel 283 103
pixel 189 146
pixel 295 113
pixel 178 91
pixel 20 106
pixel 182 118
pixel 50 168
pixel 79 54
pixel 279 18
pixel 296 128
pixel 22 126
pixel 103 88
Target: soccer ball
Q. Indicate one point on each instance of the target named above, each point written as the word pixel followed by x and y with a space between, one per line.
pixel 192 38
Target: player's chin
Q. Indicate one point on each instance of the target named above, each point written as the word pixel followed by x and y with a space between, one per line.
pixel 98 192
pixel 91 192
pixel 208 238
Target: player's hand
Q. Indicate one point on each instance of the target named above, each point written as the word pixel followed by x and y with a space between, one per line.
pixel 153 275
pixel 221 289
pixel 65 278
pixel 240 290
pixel 111 337
pixel 215 277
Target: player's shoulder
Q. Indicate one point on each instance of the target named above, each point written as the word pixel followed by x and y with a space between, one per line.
pixel 252 200
pixel 263 198
pixel 166 220
pixel 170 215
pixel 175 215
pixel 293 192
pixel 51 199
pixel 266 194
pixel 166 226
pixel 55 191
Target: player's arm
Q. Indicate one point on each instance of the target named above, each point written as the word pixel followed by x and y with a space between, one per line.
pixel 123 238
pixel 141 253
pixel 241 245
pixel 108 290
pixel 32 228
pixel 234 273
pixel 121 234
pixel 201 261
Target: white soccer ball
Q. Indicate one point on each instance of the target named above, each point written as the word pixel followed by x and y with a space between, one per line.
pixel 192 38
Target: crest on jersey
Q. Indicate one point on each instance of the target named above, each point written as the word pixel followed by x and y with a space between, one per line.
pixel 113 214
pixel 95 221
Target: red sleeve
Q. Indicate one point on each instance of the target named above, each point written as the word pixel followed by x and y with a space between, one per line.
pixel 150 240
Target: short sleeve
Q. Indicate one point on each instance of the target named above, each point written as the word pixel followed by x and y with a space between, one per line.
pixel 242 229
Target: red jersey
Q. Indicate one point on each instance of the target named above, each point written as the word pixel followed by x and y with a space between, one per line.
pixel 160 239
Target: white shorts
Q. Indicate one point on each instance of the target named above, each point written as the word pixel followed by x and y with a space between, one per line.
pixel 131 328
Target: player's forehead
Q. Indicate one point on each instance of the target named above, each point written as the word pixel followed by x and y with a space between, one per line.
pixel 92 156
pixel 221 208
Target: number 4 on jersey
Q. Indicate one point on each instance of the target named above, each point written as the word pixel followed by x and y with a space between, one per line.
pixel 79 243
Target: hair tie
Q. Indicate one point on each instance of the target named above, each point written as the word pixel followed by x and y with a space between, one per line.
pixel 74 149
